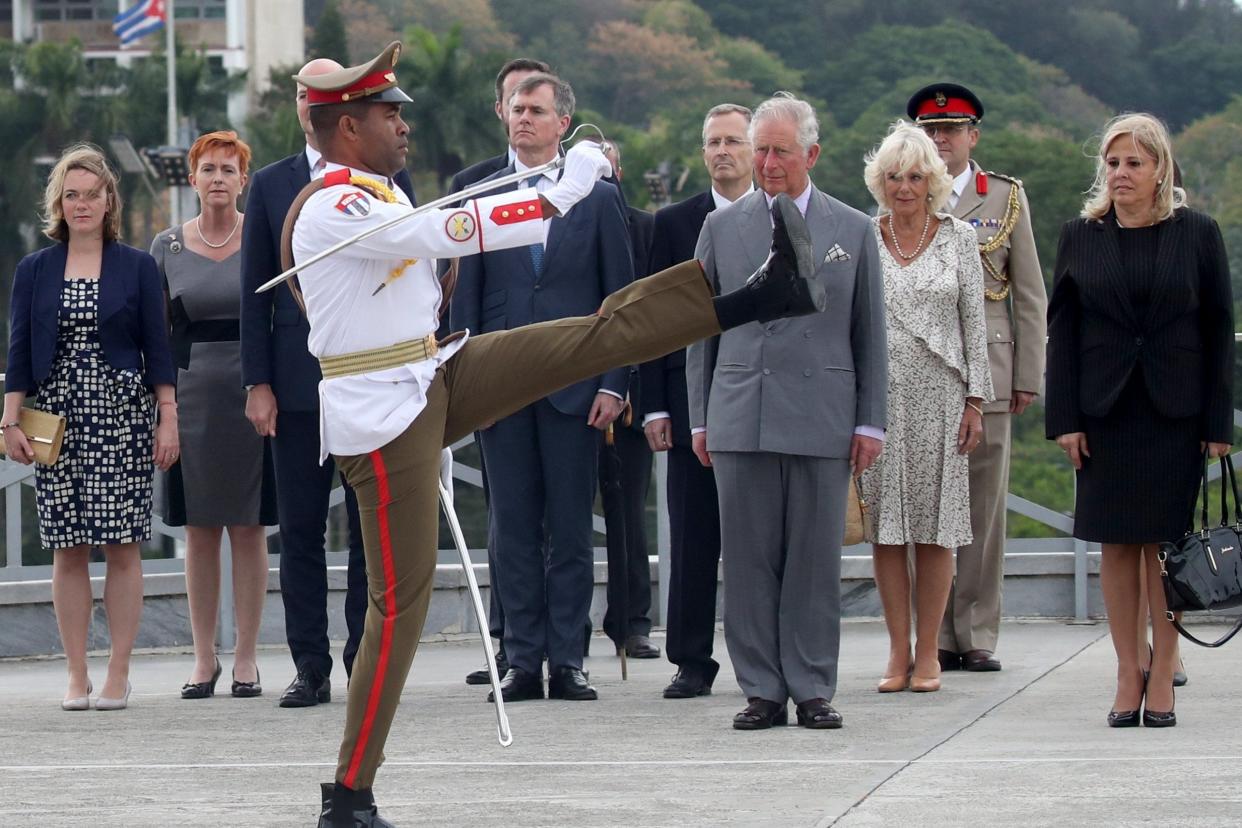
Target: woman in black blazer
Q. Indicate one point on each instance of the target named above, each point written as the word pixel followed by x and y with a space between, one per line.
pixel 1140 360
pixel 87 336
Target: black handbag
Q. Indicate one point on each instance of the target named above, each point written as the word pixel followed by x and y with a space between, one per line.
pixel 1203 570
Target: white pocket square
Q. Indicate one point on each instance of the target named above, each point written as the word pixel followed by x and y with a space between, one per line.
pixel 836 254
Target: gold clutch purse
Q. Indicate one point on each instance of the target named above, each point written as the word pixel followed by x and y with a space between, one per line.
pixel 44 431
pixel 855 515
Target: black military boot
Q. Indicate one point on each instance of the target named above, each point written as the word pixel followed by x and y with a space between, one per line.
pixel 785 284
pixel 347 808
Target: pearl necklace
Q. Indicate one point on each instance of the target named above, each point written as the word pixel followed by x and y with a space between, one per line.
pixel 198 227
pixel 922 237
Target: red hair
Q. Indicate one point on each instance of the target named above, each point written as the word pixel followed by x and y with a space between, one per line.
pixel 226 140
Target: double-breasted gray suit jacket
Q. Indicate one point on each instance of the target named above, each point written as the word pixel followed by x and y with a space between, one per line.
pixel 801 385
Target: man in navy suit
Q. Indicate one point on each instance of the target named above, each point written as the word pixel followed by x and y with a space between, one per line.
pixel 693 510
pixel 630 445
pixel 541 461
pixel 509 76
pixel 282 381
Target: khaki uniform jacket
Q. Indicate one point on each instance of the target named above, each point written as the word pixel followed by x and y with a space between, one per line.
pixel 1017 325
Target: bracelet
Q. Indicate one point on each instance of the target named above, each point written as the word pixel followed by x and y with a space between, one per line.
pixel 978 408
pixel 9 425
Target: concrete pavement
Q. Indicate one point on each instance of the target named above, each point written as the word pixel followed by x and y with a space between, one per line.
pixel 1026 746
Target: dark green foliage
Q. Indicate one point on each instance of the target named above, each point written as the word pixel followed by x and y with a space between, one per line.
pixel 329 40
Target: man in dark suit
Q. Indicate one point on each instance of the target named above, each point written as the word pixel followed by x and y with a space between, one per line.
pixel 282 380
pixel 693 511
pixel 630 446
pixel 541 461
pixel 509 76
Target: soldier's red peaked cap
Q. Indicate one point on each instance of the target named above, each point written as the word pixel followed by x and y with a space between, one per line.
pixel 375 81
pixel 945 103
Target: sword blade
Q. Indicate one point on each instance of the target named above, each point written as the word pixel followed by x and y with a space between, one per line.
pixel 469 192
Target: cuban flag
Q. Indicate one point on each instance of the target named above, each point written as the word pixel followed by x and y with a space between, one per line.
pixel 139 20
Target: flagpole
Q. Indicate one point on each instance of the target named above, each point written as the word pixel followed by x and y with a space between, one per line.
pixel 174 192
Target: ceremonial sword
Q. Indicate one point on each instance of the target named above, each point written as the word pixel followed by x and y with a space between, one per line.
pixel 452 198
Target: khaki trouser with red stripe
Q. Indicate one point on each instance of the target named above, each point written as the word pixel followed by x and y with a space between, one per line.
pixel 492 376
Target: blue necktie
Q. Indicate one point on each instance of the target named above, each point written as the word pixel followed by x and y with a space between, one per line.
pixel 536 249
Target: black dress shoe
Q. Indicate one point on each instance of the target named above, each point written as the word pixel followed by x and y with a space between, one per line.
pixel 949 660
pixel 202 689
pixel 760 714
pixel 818 714
pixel 1179 675
pixel 687 684
pixel 980 661
pixel 519 685
pixel 306 690
pixel 641 646
pixel 571 684
pixel 247 689
pixel 345 808
pixel 785 285
pixel 1123 718
pixel 483 676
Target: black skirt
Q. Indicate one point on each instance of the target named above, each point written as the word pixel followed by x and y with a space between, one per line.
pixel 1140 483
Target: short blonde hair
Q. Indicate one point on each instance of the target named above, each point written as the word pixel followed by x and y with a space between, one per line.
pixel 1150 134
pixel 907 148
pixel 89 158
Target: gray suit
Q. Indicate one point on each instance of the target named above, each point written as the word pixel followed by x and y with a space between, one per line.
pixel 780 403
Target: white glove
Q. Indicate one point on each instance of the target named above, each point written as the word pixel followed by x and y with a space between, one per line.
pixel 584 165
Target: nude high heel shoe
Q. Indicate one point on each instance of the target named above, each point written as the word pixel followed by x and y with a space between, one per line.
pixel 79 702
pixel 103 703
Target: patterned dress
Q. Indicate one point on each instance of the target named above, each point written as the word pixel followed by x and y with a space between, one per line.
pixel 919 488
pixel 99 491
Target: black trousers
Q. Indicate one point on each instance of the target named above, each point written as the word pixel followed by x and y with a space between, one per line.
pixel 694 556
pixel 635 456
pixel 302 491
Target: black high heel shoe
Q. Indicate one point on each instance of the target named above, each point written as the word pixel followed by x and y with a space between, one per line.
pixel 1128 718
pixel 247 689
pixel 1159 719
pixel 202 689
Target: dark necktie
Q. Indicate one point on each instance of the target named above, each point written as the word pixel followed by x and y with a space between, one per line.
pixel 536 249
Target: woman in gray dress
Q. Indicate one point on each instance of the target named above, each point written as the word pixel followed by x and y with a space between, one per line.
pixel 224 477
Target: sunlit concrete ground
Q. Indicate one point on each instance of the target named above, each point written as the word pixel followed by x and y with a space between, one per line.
pixel 1026 746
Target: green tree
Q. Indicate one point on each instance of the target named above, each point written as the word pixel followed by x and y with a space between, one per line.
pixel 451 118
pixel 329 40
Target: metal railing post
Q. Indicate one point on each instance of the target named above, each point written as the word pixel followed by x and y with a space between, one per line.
pixel 663 534
pixel 12 529
pixel 227 630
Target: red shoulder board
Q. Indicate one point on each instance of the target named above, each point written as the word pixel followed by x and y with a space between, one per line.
pixel 517 211
pixel 341 176
pixel 981 183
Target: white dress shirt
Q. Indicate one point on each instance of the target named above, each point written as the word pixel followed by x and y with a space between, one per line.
pixel 360 413
pixel 960 182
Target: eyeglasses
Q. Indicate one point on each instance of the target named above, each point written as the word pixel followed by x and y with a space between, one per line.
pixel 730 142
pixel 933 130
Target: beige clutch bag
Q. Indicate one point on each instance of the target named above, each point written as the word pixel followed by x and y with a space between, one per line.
pixel 855 515
pixel 44 431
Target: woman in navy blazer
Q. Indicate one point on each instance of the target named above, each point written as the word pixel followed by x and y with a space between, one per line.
pixel 1140 361
pixel 87 335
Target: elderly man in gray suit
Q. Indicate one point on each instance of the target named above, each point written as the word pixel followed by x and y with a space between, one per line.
pixel 784 412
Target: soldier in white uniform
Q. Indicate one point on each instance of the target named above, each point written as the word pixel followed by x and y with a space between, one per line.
pixel 392 397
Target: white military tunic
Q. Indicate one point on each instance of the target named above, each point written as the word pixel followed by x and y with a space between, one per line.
pixel 361 413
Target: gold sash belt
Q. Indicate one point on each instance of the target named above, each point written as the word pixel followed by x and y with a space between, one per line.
pixel 379 359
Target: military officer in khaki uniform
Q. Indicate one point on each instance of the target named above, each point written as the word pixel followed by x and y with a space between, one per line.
pixel 1016 305
pixel 392 396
